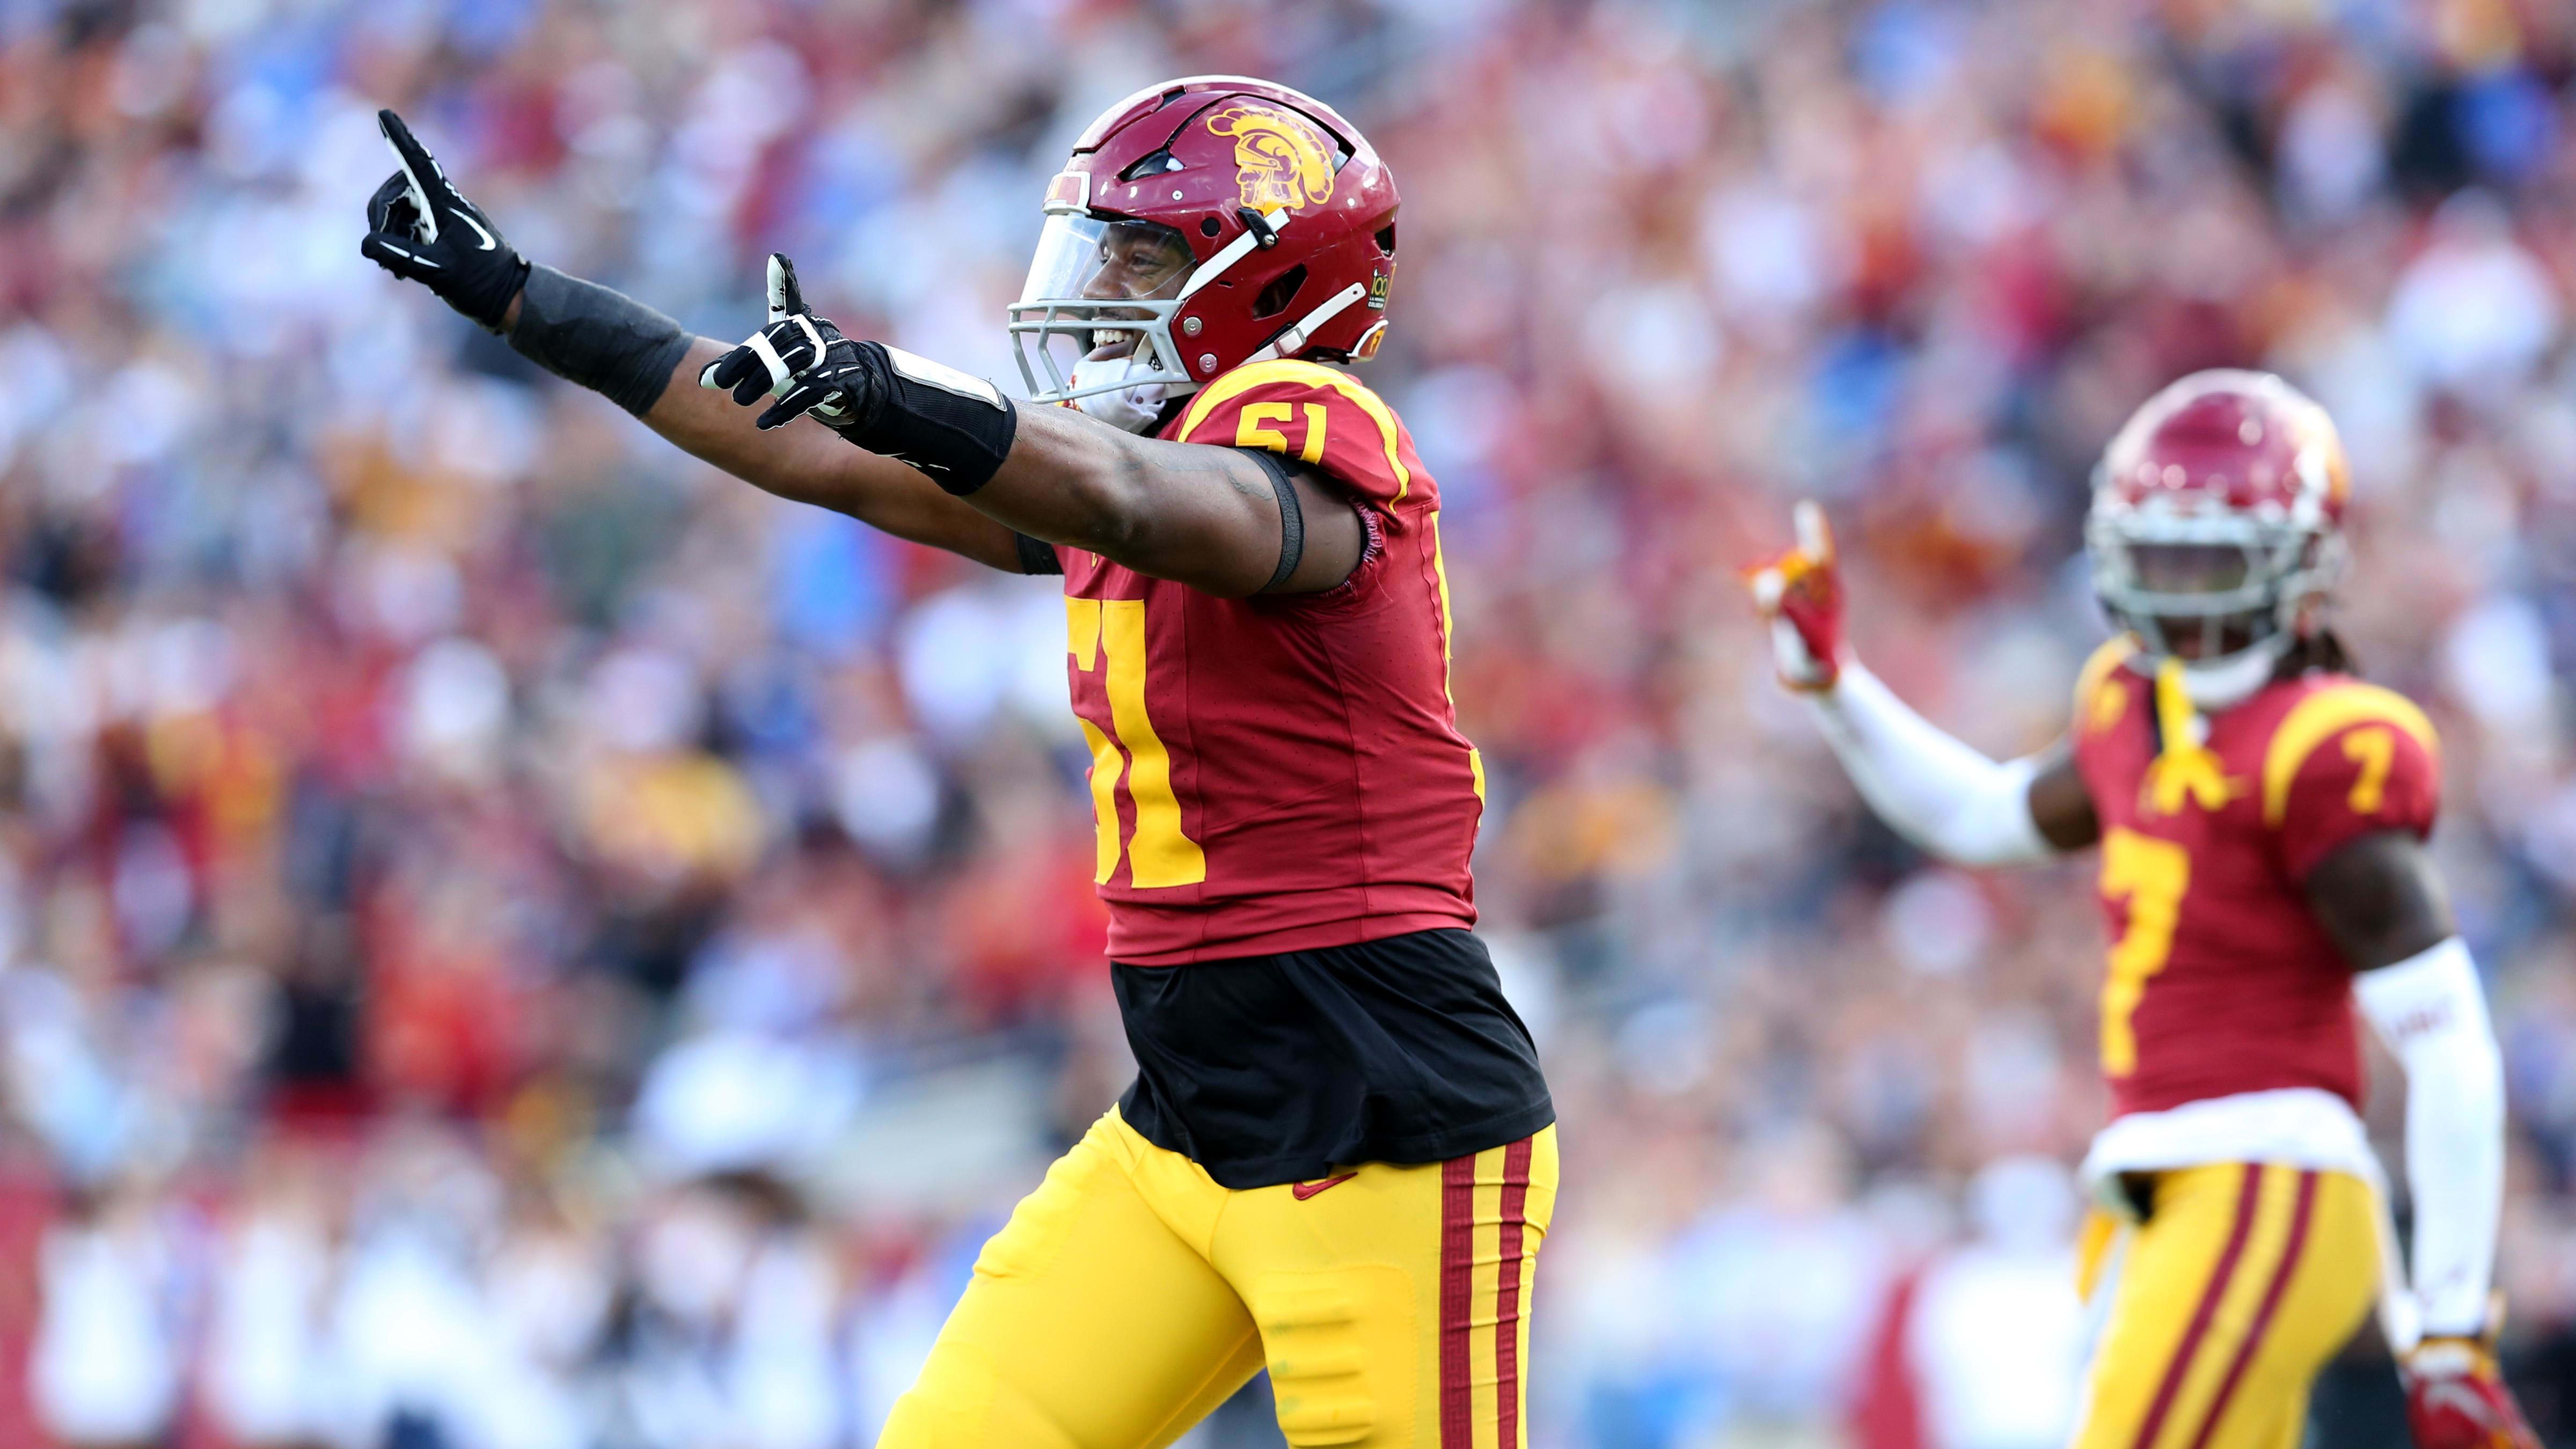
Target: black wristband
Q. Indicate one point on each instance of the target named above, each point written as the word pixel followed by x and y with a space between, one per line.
pixel 602 339
pixel 954 427
pixel 1037 556
pixel 1292 518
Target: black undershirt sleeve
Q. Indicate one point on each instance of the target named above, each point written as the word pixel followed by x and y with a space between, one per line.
pixel 1037 556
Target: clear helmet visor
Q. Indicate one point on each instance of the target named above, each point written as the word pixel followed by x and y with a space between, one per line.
pixel 1095 314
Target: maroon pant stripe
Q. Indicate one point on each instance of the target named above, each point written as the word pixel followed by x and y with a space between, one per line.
pixel 2272 1294
pixel 1507 1298
pixel 1457 1301
pixel 2208 1309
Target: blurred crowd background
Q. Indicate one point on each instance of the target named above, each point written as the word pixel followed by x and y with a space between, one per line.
pixel 513 940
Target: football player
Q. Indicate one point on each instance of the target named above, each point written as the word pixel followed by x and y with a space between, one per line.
pixel 1338 1157
pixel 2261 814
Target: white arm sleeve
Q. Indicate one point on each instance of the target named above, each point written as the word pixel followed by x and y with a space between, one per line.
pixel 2431 1013
pixel 1931 789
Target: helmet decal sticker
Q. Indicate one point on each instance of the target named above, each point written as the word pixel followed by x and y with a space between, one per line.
pixel 1282 159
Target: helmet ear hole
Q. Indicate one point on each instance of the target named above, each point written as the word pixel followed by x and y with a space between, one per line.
pixel 1153 163
pixel 1210 226
pixel 1274 299
pixel 1386 238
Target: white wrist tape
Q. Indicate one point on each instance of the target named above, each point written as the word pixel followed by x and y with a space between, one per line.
pixel 2432 1014
pixel 1936 792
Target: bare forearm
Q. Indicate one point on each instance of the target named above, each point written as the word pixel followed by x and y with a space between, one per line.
pixel 806 463
pixel 802 463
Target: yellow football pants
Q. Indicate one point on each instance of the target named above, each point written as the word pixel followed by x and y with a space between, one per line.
pixel 1130 1294
pixel 2244 1280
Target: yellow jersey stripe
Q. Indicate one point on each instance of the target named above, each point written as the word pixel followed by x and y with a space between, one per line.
pixel 1160 853
pixel 2113 653
pixel 1106 766
pixel 2318 718
pixel 1305 374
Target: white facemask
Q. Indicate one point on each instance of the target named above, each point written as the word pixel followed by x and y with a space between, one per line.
pixel 1133 408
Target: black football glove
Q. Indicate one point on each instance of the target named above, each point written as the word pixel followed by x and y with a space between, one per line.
pixel 421 228
pixel 800 359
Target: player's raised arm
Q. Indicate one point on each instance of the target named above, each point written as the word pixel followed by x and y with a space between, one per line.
pixel 1932 789
pixel 422 228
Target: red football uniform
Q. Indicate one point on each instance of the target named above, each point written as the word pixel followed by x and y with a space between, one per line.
pixel 2220 979
pixel 1280 773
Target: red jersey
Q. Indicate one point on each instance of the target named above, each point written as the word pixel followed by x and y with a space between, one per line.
pixel 2221 981
pixel 1280 773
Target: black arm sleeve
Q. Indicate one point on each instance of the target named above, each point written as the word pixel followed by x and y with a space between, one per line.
pixel 604 340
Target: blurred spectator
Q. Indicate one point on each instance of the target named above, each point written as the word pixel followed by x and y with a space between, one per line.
pixel 1995 1337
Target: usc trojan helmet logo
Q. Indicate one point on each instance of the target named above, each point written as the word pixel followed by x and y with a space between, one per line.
pixel 1283 160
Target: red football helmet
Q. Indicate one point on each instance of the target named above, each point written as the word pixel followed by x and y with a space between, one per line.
pixel 2217 521
pixel 1202 224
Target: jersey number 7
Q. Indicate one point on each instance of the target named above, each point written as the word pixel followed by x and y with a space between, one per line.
pixel 2152 875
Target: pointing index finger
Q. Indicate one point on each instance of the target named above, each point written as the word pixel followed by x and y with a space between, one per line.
pixel 1815 536
pixel 418 167
pixel 786 297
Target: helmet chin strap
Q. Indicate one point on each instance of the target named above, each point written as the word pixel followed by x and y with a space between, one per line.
pixel 2233 678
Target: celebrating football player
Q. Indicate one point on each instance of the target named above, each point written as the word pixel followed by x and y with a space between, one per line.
pixel 2262 816
pixel 1338 1155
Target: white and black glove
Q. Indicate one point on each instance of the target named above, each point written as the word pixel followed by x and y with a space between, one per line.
pixel 422 229
pixel 799 359
pixel 955 428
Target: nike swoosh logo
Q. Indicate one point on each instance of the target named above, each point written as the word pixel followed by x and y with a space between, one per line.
pixel 1304 1190
pixel 467 217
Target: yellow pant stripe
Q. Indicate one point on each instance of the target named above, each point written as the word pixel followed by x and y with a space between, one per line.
pixel 1482 1361
pixel 2232 1332
pixel 2222 1277
pixel 1523 1173
pixel 2294 1245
